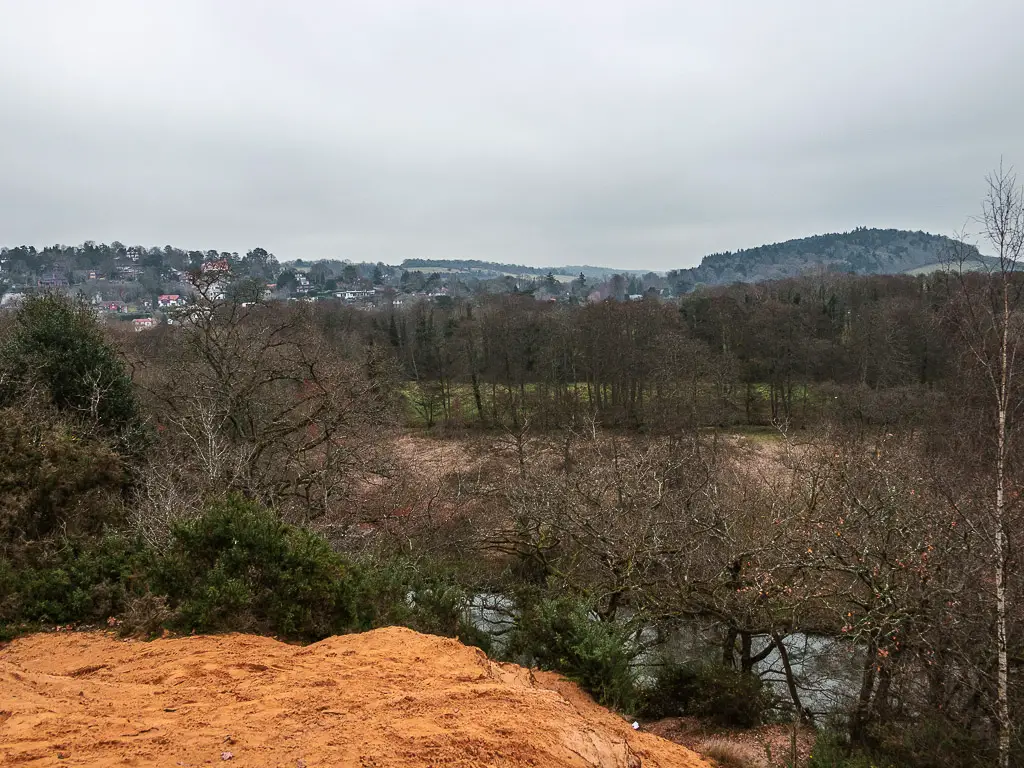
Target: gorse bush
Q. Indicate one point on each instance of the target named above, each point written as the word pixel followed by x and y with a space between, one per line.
pixel 726 696
pixel 240 567
pixel 71 430
pixel 563 635
pixel 411 594
pixel 54 476
pixel 440 608
pixel 72 580
pixel 237 567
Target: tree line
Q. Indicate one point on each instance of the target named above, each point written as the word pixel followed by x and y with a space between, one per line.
pixel 870 349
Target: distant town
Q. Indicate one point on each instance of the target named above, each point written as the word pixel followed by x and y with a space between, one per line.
pixel 145 286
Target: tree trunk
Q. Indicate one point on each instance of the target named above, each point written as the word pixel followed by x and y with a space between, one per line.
pixel 1002 686
pixel 729 648
pixel 794 694
pixel 859 720
pixel 478 399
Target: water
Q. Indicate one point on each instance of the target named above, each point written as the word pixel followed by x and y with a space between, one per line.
pixel 493 614
pixel 826 670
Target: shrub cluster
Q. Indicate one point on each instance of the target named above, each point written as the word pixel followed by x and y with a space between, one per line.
pixel 723 695
pixel 74 580
pixel 563 635
pixel 238 567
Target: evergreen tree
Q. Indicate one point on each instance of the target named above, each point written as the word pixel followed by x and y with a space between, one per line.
pixel 58 349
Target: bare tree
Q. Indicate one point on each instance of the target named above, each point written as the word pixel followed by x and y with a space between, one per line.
pixel 988 313
pixel 258 399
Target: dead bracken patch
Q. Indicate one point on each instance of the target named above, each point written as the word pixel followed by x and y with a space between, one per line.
pixel 771 744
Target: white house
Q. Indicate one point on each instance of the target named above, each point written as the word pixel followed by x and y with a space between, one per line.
pixel 354 295
pixel 170 300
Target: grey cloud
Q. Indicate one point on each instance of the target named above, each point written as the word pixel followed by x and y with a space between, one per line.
pixel 639 133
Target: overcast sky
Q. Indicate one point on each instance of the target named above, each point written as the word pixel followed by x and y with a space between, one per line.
pixel 634 134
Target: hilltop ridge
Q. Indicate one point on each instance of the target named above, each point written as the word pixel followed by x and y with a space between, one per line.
pixel 862 251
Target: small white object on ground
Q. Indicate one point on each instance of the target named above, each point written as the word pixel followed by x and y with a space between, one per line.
pixel 636 726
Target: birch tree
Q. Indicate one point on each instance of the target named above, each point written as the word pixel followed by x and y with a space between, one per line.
pixel 988 314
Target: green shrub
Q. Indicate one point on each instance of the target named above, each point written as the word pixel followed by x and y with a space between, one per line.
pixel 724 695
pixel 240 567
pixel 70 581
pixel 440 607
pixel 831 751
pixel 58 346
pixel 562 635
pixel 404 592
pixel 932 741
pixel 55 477
pixel 379 594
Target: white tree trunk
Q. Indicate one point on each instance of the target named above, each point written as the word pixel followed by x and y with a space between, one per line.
pixel 1002 688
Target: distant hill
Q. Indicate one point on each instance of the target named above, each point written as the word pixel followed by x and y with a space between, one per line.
pixel 862 251
pixel 495 269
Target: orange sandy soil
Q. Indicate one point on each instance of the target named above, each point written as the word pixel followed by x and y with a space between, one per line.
pixel 391 697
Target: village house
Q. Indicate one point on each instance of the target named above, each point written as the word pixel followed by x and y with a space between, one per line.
pixel 53 280
pixel 143 323
pixel 129 272
pixel 354 295
pixel 170 300
pixel 220 265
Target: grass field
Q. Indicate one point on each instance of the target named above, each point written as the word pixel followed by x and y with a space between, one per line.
pixel 424 405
